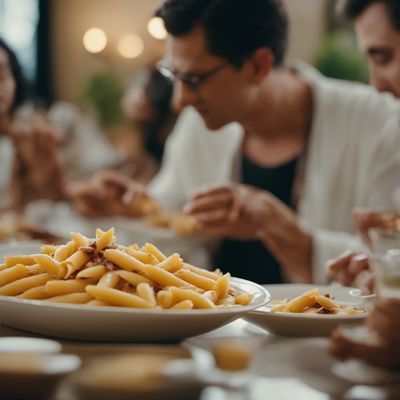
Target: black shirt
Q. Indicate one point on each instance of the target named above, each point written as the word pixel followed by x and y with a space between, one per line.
pixel 250 259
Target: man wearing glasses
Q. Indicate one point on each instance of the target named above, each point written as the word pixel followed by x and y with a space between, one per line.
pixel 269 158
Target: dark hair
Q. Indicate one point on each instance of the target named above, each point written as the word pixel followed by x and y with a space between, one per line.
pixel 352 9
pixel 233 28
pixel 16 72
pixel 159 92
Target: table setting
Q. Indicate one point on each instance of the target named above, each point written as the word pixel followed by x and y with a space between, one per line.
pixel 275 342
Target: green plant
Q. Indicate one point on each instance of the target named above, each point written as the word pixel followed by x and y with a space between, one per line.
pixel 102 94
pixel 338 57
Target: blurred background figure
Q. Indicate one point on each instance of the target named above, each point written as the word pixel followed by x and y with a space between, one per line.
pixel 30 167
pixel 147 106
pixel 377 26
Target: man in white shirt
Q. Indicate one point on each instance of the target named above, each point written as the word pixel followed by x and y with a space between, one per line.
pixel 377 25
pixel 324 146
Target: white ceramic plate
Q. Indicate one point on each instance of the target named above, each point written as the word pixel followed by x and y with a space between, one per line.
pixel 121 324
pixel 291 324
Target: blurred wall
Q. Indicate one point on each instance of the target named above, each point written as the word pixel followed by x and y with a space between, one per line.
pixel 308 20
pixel 73 64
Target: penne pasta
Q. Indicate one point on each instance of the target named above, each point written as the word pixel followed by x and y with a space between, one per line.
pixel 183 305
pixel 222 286
pixel 61 253
pixel 73 298
pixel 150 248
pixel 196 279
pixel 163 277
pixel 21 285
pixel 58 288
pixel 199 300
pixel 13 273
pixel 172 263
pixel 204 272
pixel 104 239
pixel 10 261
pixel 145 291
pixel 50 265
pixel 80 240
pixel 117 297
pixel 110 280
pixel 95 272
pixel 35 293
pixel 124 261
pixel 133 278
pixel 100 272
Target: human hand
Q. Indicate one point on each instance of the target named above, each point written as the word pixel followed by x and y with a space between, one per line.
pixel 383 352
pixel 366 219
pixel 244 212
pixel 352 269
pixel 110 194
pixel 232 210
pixel 37 170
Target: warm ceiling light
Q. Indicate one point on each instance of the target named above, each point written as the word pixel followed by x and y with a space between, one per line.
pixel 156 28
pixel 94 40
pixel 130 46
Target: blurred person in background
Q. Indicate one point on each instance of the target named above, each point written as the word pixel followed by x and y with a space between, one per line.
pixel 282 154
pixel 377 26
pixel 30 167
pixel 41 151
pixel 147 106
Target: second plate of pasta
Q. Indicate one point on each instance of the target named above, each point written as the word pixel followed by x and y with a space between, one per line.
pixel 302 310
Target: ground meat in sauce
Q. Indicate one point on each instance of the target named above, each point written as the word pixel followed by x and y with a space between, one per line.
pixel 324 310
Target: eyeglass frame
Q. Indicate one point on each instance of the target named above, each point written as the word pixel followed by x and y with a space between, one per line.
pixel 192 81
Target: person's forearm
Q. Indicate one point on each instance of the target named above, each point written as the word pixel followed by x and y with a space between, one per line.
pixel 289 243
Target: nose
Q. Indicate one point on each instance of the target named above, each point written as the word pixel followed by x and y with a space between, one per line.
pixel 183 96
pixel 379 81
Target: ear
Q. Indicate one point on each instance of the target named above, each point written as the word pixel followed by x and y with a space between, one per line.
pixel 261 64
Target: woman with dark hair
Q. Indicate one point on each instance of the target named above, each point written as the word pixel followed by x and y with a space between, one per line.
pixel 29 164
pixel 13 91
pixel 147 106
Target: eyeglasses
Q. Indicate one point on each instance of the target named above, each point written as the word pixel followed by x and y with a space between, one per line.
pixel 192 81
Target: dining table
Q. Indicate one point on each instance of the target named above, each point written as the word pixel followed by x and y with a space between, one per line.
pixel 280 386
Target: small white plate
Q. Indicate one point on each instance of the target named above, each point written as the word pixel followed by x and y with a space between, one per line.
pixel 34 376
pixel 11 344
pixel 303 359
pixel 82 322
pixel 303 325
pixel 360 373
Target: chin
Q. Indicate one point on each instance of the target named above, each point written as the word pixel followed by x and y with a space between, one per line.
pixel 214 125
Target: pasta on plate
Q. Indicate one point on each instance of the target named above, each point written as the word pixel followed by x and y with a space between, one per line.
pixel 313 302
pixel 99 272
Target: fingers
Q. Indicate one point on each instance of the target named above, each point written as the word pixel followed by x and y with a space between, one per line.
pixel 213 218
pixel 365 281
pixel 381 355
pixel 338 268
pixel 133 193
pixel 387 306
pixel 340 347
pixel 346 268
pixel 340 262
pixel 358 263
pixel 212 190
pixel 208 202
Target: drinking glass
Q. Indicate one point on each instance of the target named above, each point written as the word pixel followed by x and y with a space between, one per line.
pixel 385 261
